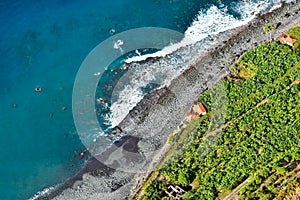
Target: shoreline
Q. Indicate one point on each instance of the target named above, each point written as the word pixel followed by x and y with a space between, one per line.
pixel 255 28
pixel 185 88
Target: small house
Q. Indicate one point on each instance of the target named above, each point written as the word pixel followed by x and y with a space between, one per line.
pixel 287 39
pixel 199 109
pixel 175 192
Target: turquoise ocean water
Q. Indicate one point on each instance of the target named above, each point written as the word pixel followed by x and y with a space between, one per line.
pixel 42 44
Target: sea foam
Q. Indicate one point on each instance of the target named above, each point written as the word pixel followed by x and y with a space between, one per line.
pixel 213 22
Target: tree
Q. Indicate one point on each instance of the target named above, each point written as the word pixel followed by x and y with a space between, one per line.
pixel 155 190
pixel 183 178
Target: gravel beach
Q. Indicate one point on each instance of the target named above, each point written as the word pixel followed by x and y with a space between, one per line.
pixel 123 167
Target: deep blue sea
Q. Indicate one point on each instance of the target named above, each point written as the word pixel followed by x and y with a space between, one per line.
pixel 42 44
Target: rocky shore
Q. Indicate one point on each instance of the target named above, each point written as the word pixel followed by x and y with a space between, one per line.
pixel 123 166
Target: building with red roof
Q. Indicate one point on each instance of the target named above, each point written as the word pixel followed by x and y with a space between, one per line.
pixel 287 39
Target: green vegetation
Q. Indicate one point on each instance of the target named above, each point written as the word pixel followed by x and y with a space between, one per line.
pixel 255 153
pixel 155 190
pixel 245 70
pixel 295 32
pixel 268 28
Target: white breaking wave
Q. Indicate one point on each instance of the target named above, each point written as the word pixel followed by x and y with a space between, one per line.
pixel 178 57
pixel 212 22
pixel 42 193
